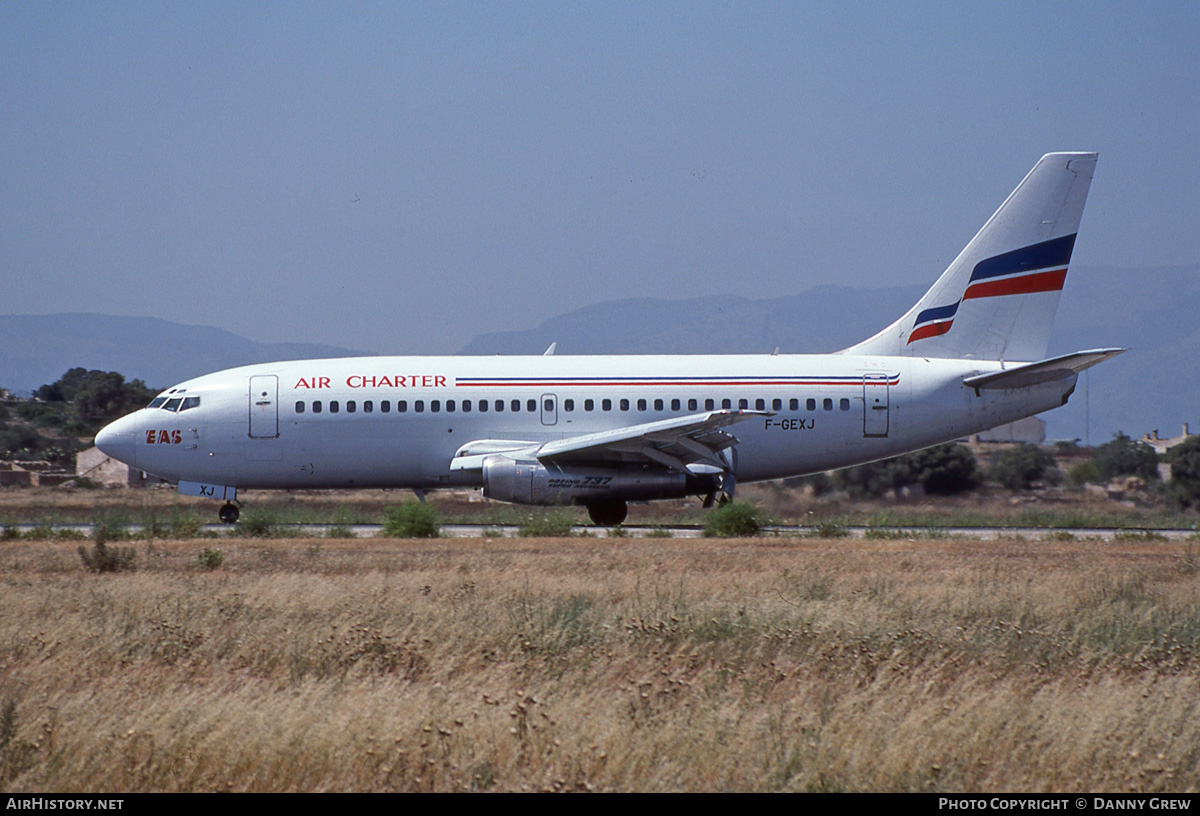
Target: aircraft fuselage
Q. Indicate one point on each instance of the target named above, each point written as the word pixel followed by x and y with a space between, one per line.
pixel 398 421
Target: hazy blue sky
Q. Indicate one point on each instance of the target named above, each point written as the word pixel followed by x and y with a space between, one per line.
pixel 399 177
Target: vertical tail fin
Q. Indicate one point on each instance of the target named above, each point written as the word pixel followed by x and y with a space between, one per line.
pixel 997 300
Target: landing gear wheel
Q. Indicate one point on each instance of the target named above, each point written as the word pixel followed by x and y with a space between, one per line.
pixel 228 513
pixel 608 514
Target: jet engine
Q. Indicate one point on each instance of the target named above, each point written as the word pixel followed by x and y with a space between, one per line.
pixel 603 490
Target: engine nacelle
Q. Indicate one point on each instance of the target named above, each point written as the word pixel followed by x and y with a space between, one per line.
pixel 531 482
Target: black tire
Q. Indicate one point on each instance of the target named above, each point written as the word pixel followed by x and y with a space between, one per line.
pixel 228 513
pixel 608 514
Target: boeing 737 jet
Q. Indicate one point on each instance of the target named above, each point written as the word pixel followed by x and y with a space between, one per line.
pixel 602 431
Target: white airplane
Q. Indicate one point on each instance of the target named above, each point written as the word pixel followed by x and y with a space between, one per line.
pixel 605 430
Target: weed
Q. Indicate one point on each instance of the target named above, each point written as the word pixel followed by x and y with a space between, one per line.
pixel 733 520
pixel 186 525
pixel 211 558
pixel 1138 535
pixel 109 527
pixel 658 531
pixel 555 523
pixel 412 520
pixel 829 529
pixel 102 558
pixel 1187 561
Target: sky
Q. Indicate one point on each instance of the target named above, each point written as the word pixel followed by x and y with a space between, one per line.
pixel 399 177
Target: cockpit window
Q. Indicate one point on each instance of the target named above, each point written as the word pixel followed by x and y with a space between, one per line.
pixel 156 402
pixel 189 402
pixel 172 404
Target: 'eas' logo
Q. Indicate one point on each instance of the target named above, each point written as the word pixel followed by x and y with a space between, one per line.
pixel 163 437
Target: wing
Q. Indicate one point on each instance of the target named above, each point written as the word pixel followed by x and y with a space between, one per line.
pixel 675 443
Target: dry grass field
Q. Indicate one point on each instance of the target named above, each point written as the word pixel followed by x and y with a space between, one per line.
pixel 586 664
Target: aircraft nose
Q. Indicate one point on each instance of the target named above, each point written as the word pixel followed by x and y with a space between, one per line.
pixel 118 440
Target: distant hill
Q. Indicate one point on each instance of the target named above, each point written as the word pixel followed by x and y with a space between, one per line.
pixel 38 349
pixel 1152 311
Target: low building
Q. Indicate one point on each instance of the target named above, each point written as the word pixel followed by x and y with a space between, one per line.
pixel 94 465
pixel 1031 430
pixel 1161 445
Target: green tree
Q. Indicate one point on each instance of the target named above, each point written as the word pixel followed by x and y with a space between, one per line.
pixel 1018 467
pixel 1126 457
pixel 95 397
pixel 940 470
pixel 1184 459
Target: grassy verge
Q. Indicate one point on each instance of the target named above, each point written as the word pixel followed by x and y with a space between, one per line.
pixel 733 664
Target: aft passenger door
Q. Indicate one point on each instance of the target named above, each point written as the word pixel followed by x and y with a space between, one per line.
pixel 875 405
pixel 264 407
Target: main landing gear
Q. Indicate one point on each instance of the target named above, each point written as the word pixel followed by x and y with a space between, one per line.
pixel 229 513
pixel 608 513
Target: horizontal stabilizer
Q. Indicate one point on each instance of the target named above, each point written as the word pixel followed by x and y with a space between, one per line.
pixel 1056 368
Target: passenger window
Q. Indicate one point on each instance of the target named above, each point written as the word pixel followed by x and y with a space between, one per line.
pixel 827 404
pixel 531 405
pixel 641 405
pixel 624 405
pixel 547 405
pixel 401 406
pixel 777 405
pixel 658 405
pixel 516 405
pixel 811 405
pixel 606 405
pixel 726 404
pixel 499 405
pixel 435 406
pixel 419 406
pixel 317 407
pixel 466 406
pixel 385 406
pixel 450 406
pixel 368 406
pixel 692 405
pixel 844 404
pixel 351 406
pixel 483 405
pixel 299 407
pixel 760 404
pixel 333 406
pixel 743 404
pixel 589 405
pixel 794 404
pixel 568 405
pixel 674 405
pixel 709 404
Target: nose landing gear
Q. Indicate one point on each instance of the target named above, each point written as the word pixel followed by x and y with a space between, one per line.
pixel 229 513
